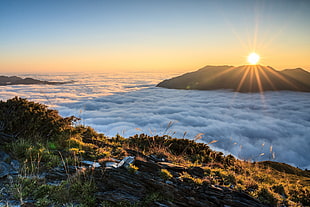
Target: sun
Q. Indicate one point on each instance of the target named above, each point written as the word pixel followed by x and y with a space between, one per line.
pixel 253 58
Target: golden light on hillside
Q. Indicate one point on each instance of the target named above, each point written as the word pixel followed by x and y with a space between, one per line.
pixel 253 58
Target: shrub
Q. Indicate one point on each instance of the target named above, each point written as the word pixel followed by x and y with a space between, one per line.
pixel 230 179
pixel 132 169
pixel 34 121
pixel 266 197
pixel 33 155
pixel 188 178
pixel 165 174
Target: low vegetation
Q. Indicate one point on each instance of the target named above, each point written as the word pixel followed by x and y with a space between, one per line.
pixel 41 140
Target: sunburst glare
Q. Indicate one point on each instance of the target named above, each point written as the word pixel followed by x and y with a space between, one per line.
pixel 253 58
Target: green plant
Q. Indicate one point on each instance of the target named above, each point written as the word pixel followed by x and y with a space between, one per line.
pixel 132 169
pixel 165 174
pixel 152 197
pixel 266 197
pixel 33 121
pixel 41 139
pixel 34 156
pixel 188 178
pixel 229 179
pixel 79 190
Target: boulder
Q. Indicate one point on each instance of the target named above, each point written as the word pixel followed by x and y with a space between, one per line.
pixel 5 169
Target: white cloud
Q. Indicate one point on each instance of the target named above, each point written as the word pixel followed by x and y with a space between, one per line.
pixel 240 122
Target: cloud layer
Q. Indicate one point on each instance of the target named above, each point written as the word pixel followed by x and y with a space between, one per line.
pixel 246 125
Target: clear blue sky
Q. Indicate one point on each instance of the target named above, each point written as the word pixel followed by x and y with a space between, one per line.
pixel 151 35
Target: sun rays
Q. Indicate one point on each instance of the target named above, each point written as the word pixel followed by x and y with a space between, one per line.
pixel 257 78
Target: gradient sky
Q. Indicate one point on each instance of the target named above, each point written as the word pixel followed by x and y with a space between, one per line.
pixel 151 35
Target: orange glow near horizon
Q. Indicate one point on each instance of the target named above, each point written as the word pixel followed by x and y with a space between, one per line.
pixel 150 36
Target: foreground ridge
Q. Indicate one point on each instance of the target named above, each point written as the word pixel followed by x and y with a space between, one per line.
pixel 48 160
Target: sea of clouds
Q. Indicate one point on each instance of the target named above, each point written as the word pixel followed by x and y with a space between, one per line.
pixel 272 125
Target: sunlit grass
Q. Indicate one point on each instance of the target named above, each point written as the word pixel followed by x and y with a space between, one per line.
pixel 272 183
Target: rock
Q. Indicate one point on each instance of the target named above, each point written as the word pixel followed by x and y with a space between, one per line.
pixel 117 184
pixel 15 165
pixel 5 169
pixel 196 171
pixel 160 204
pixel 147 166
pixel 111 164
pixel 123 163
pixel 28 204
pixel 60 173
pixel 54 183
pixel 6 138
pixel 4 157
pixel 169 166
pixel 126 162
pixel 91 163
pixel 117 196
pixel 157 158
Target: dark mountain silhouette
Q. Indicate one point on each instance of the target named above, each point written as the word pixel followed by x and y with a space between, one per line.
pixel 14 80
pixel 247 78
pixel 298 74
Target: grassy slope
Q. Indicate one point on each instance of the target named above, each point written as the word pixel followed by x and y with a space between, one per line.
pixel 48 140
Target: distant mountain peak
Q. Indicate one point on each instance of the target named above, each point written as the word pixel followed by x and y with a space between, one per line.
pixel 14 80
pixel 246 78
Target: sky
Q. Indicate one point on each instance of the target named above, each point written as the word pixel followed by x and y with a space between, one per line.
pixel 151 35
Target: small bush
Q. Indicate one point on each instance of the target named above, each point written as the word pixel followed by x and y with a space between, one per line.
pixel 33 121
pixel 132 169
pixel 266 197
pixel 188 178
pixel 165 174
pixel 230 179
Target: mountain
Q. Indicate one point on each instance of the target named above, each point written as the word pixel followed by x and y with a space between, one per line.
pixel 298 74
pixel 247 78
pixel 14 80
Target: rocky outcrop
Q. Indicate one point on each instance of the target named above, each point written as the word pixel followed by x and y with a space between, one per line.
pixel 248 78
pixel 8 166
pixel 116 184
pixel 119 185
pixel 14 80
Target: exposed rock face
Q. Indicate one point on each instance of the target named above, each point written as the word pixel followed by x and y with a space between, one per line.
pixel 241 79
pixel 14 80
pixel 7 166
pixel 118 185
pixel 4 169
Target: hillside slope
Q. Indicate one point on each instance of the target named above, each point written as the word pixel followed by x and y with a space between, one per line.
pixel 48 160
pixel 248 78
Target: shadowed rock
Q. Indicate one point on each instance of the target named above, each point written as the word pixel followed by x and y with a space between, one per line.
pixel 118 185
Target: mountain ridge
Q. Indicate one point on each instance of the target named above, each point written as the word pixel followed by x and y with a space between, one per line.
pixel 246 78
pixel 15 80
